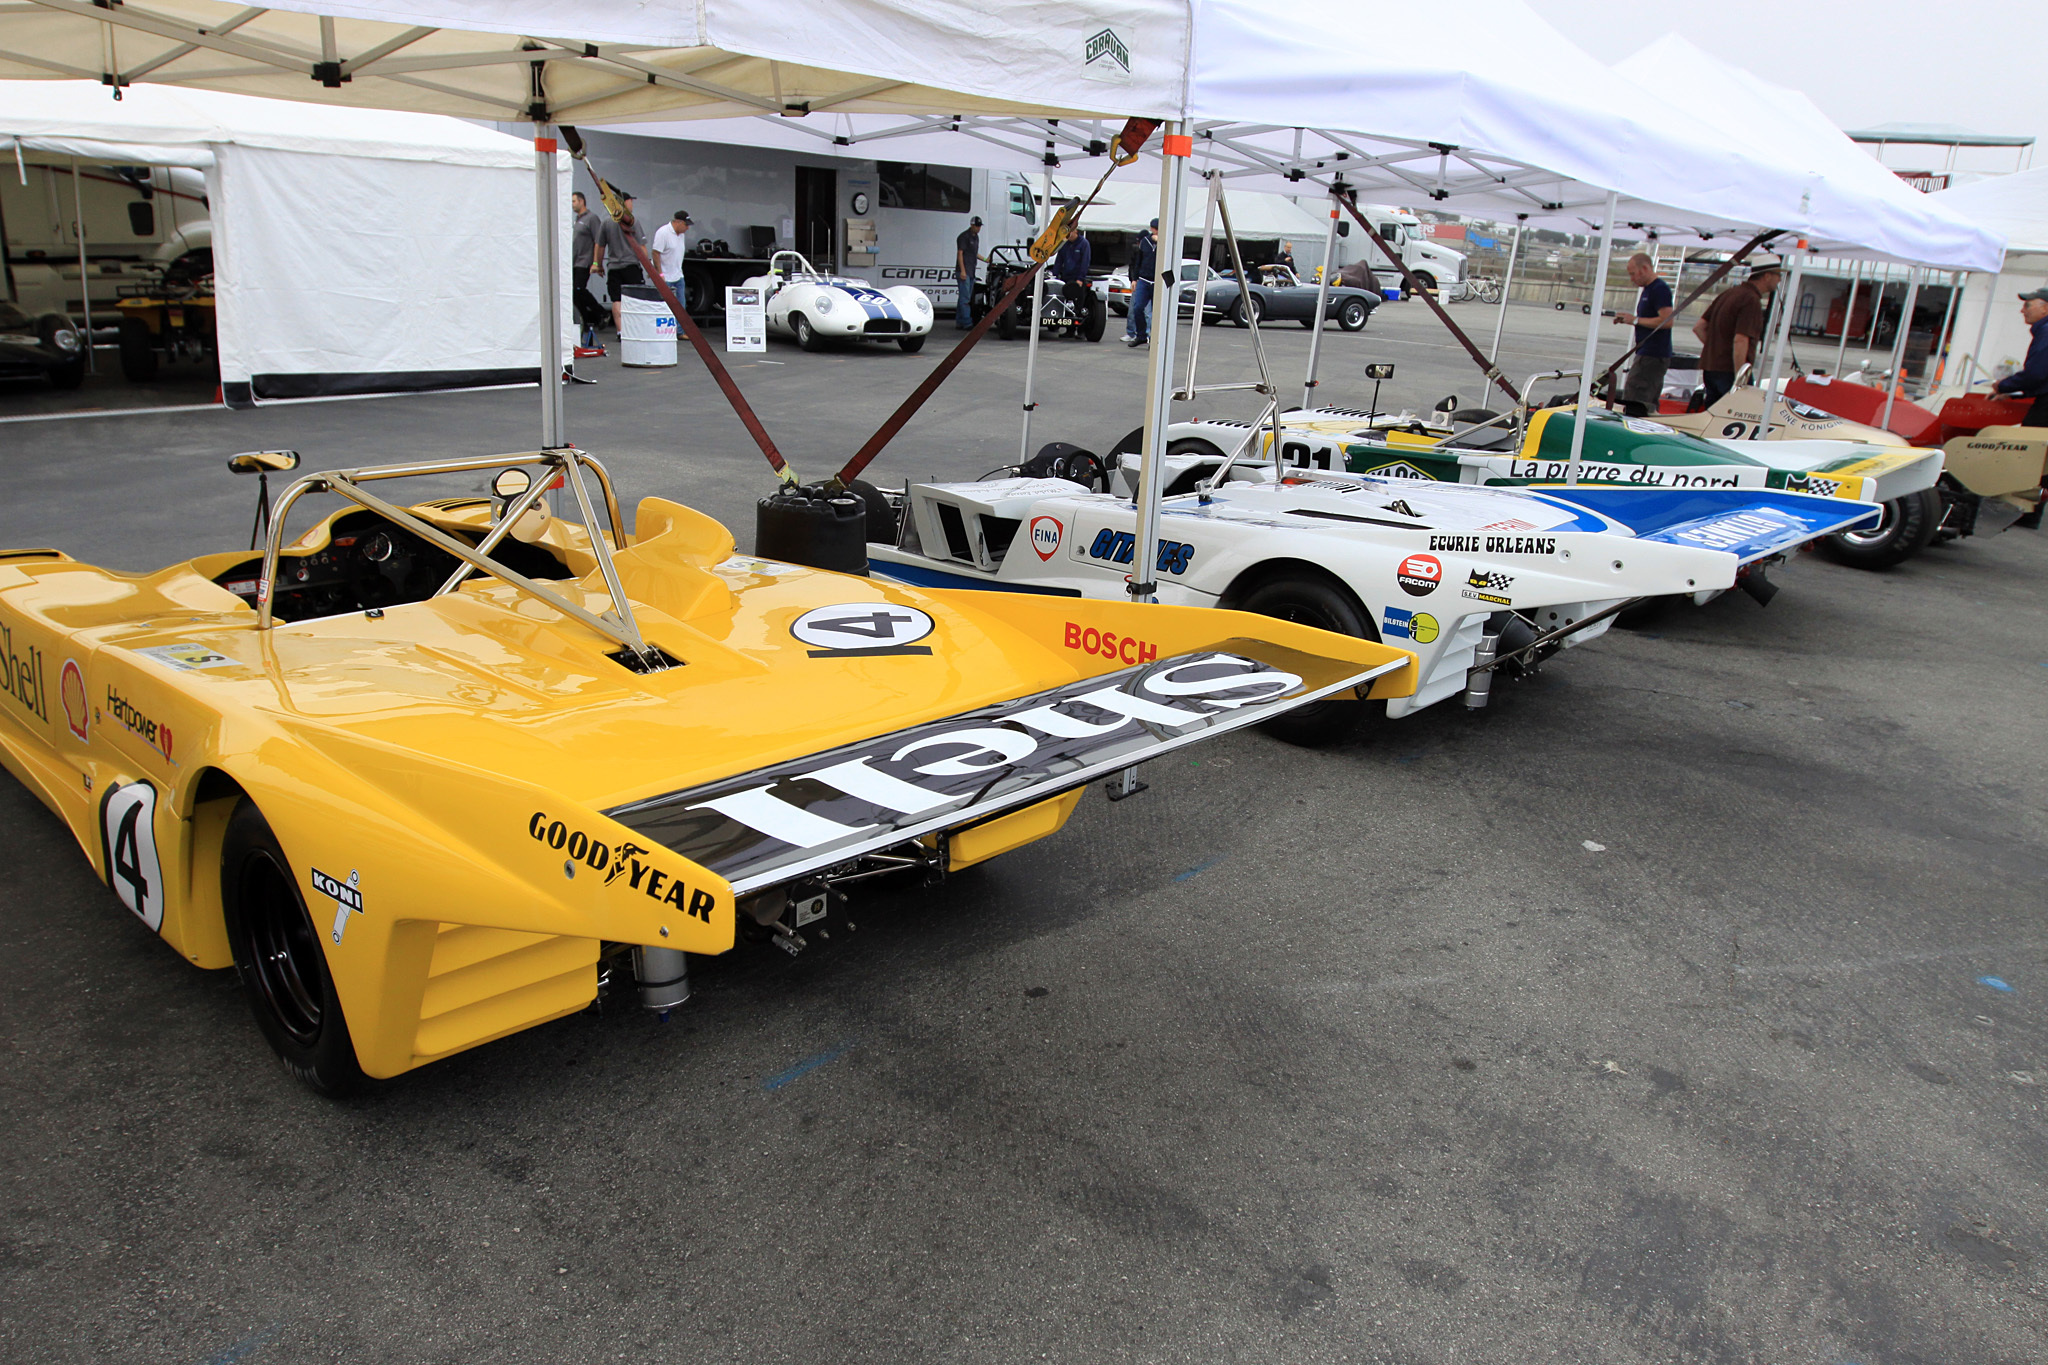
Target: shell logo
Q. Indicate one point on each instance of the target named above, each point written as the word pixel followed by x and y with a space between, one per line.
pixel 77 714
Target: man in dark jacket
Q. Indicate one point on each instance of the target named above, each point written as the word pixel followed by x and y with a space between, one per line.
pixel 1071 268
pixel 1144 265
pixel 2031 379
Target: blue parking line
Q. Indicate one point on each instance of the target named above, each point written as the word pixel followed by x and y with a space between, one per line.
pixel 804 1067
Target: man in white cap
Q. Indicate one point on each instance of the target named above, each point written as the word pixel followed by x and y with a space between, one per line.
pixel 1731 330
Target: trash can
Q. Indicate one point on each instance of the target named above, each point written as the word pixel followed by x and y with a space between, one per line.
pixel 647 329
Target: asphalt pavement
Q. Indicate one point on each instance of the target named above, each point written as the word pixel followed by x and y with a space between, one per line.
pixel 1686 1005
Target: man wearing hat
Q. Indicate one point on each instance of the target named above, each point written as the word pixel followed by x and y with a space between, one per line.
pixel 621 265
pixel 2031 379
pixel 1731 330
pixel 966 255
pixel 669 249
pixel 1144 265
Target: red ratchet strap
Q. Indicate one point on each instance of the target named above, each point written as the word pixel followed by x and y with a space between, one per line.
pixel 897 419
pixel 1415 288
pixel 719 373
pixel 1607 375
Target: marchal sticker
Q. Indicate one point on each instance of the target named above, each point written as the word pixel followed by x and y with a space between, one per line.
pixel 1045 536
pixel 128 849
pixel 347 897
pixel 863 628
pixel 1419 575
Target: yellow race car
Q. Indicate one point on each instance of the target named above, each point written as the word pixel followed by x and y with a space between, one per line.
pixel 425 773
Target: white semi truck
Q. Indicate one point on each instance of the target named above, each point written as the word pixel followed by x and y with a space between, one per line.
pixel 137 220
pixel 1434 265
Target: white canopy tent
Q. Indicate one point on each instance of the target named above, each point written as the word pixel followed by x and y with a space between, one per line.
pixel 1988 318
pixel 355 250
pixel 1511 119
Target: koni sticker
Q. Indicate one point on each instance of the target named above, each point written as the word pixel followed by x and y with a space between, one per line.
pixel 346 895
pixel 1419 575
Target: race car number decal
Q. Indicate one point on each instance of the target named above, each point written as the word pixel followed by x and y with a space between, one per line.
pixel 128 850
pixel 1419 575
pixel 852 629
pixel 1118 547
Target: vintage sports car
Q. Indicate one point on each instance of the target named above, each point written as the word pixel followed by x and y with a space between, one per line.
pixel 1060 315
pixel 426 774
pixel 1533 448
pixel 48 345
pixel 815 309
pixel 1474 580
pixel 1278 296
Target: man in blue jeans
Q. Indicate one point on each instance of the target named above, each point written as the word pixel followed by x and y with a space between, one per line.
pixel 1144 260
pixel 966 255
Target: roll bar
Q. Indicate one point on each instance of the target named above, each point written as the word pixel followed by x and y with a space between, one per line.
pixel 564 466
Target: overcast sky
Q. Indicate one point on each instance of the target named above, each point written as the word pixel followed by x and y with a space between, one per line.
pixel 1982 64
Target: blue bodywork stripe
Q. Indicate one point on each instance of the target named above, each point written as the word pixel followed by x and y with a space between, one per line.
pixel 919 576
pixel 1748 523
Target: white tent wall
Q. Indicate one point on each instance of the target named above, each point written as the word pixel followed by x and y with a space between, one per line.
pixel 2006 336
pixel 345 274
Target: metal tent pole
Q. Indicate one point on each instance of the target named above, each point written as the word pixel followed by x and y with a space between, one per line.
pixel 1789 306
pixel 1315 336
pixel 1940 347
pixel 1201 299
pixel 1983 326
pixel 1506 286
pixel 1848 312
pixel 1592 341
pixel 1891 389
pixel 84 276
pixel 1031 342
pixel 1173 179
pixel 554 422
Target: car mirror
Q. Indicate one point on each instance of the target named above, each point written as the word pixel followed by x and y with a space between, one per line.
pixel 510 483
pixel 1379 371
pixel 263 461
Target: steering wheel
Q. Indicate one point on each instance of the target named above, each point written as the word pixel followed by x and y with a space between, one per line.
pixel 1085 468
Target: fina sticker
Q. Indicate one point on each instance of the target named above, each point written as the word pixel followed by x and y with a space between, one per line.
pixel 853 629
pixel 1046 533
pixel 185 656
pixel 1419 575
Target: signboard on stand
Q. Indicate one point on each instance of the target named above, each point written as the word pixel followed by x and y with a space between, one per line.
pixel 746 320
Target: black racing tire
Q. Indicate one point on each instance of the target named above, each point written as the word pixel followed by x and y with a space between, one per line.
pixel 1200 449
pixel 69 375
pixel 280 960
pixel 1012 321
pixel 1097 321
pixel 1353 316
pixel 806 335
pixel 910 345
pixel 1908 527
pixel 1313 602
pixel 138 351
pixel 1246 312
pixel 1308 324
pixel 1650 611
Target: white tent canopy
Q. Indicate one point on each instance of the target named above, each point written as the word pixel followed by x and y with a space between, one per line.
pixel 355 250
pixel 1859 207
pixel 2015 206
pixel 1128 205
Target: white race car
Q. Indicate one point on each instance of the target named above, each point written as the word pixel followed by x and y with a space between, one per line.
pixel 1474 580
pixel 813 308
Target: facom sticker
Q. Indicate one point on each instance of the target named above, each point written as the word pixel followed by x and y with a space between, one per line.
pixel 1419 575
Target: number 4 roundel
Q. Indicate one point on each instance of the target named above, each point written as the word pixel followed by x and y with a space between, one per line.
pixel 128 850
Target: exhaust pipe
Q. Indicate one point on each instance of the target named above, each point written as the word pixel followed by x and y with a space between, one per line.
pixel 663 976
pixel 1479 681
pixel 1758 587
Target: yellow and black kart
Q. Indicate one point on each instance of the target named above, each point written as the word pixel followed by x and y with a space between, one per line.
pixel 423 772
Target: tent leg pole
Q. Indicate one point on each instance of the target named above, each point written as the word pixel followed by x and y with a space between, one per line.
pixel 1948 315
pixel 1031 342
pixel 1173 179
pixel 1315 336
pixel 1500 322
pixel 1784 331
pixel 554 426
pixel 1592 340
pixel 1983 326
pixel 92 365
pixel 1848 311
pixel 1891 390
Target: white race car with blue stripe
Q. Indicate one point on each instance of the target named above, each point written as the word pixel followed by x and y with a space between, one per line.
pixel 814 309
pixel 1473 580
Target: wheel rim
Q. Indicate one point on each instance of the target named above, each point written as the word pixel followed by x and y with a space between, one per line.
pixel 1878 534
pixel 284 956
pixel 1354 314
